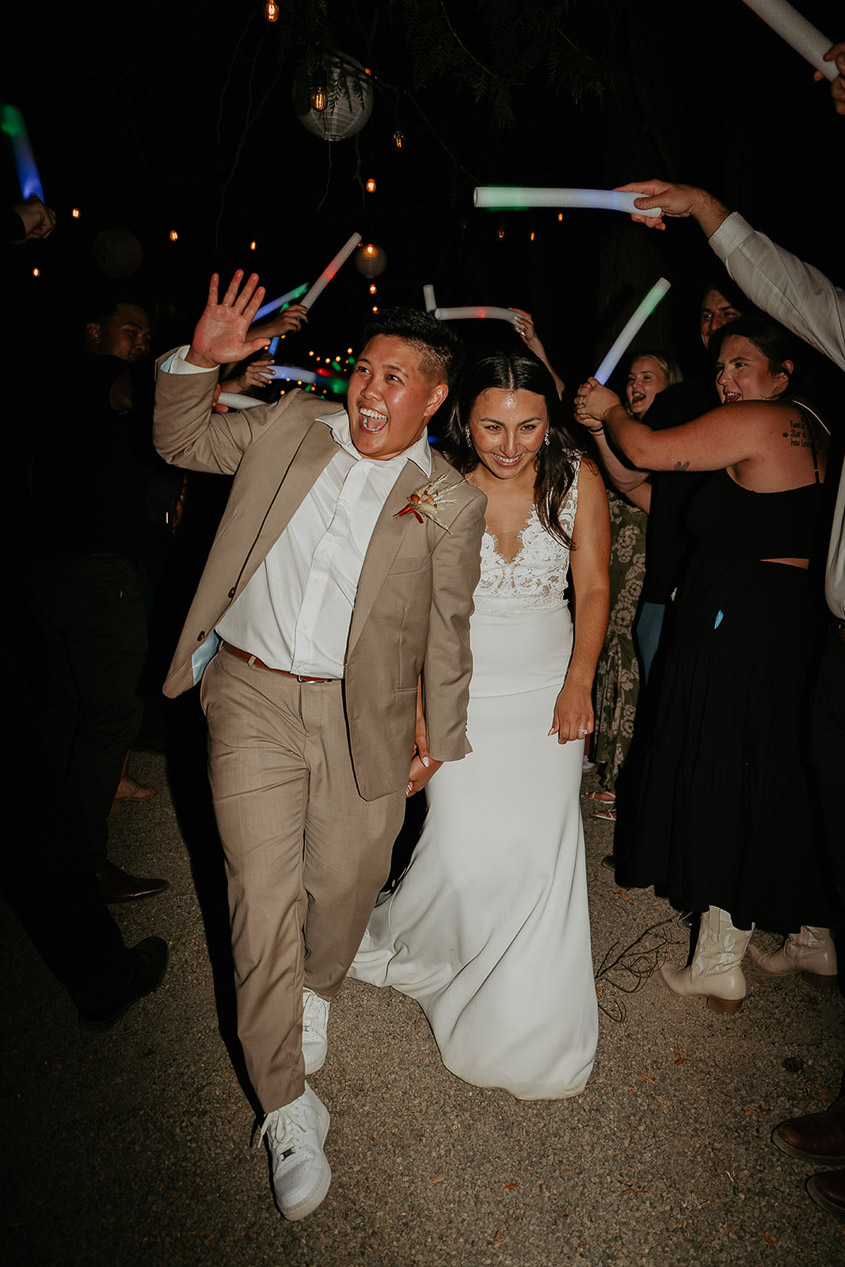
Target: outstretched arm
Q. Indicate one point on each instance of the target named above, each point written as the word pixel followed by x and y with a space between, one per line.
pixel 221 333
pixel 525 329
pixel 590 562
pixel 676 201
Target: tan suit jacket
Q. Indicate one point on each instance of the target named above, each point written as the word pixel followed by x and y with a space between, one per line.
pixel 414 597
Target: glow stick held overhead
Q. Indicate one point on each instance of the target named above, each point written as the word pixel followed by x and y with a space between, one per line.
pixel 331 269
pixel 480 311
pixel 428 298
pixel 632 327
pixel 793 27
pixel 517 198
pixel 11 122
pixel 276 305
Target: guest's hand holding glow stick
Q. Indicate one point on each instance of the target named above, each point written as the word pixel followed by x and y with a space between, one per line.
pixel 836 57
pixel 330 270
pixel 793 27
pixel 508 198
pixel 480 311
pixel 276 305
pixel 632 327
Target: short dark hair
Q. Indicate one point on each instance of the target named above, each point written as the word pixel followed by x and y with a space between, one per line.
pixel 776 344
pixel 441 351
pixel 556 462
pixel 101 308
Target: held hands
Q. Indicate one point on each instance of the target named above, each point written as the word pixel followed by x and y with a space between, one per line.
pixel 220 336
pixel 593 402
pixel 573 716
pixel 423 766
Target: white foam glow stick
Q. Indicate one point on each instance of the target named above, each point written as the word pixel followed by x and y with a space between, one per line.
pixel 428 296
pixel 331 269
pixel 283 299
pixel 632 327
pixel 791 26
pixel 234 400
pixel 293 371
pixel 516 198
pixel 481 311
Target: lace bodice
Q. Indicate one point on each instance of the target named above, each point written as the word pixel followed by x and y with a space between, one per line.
pixel 535 579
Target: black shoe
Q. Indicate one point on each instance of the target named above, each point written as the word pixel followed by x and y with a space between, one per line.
pixel 147 966
pixel 119 886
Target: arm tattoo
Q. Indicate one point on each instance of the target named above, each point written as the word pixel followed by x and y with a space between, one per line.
pixel 681 466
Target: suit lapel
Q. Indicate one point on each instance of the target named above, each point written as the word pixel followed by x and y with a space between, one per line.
pixel 388 535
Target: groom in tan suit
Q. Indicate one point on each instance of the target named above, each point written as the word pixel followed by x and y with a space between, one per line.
pixel 320 610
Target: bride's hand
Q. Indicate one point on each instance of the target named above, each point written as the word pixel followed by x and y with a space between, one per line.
pixel 573 716
pixel 420 774
pixel 593 402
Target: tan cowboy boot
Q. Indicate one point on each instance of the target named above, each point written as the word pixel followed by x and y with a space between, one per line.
pixel 715 972
pixel 810 952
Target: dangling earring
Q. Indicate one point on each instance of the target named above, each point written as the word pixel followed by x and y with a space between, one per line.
pixel 468 435
pixel 546 437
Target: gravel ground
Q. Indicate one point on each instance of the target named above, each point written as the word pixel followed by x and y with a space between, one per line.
pixel 134 1146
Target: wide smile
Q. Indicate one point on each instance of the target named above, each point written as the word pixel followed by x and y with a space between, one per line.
pixel 371 420
pixel 637 397
pixel 503 461
pixel 731 397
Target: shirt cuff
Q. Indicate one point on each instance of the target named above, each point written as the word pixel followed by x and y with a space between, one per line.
pixel 730 235
pixel 176 364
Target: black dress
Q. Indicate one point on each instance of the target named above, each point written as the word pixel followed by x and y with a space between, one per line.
pixel 724 810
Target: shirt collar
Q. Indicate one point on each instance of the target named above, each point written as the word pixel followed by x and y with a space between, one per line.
pixel 418 453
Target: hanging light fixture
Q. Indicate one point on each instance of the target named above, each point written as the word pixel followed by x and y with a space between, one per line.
pixel 334 98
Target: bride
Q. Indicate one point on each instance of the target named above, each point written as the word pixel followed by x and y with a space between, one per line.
pixel 489 928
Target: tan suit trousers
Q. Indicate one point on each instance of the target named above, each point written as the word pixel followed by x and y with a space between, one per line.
pixel 305 854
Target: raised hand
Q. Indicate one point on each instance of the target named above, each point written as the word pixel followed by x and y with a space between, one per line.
pixel 837 86
pixel 220 335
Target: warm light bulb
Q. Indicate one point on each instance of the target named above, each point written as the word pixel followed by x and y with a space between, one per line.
pixel 398 139
pixel 271 11
pixel 75 213
pixel 174 236
pixel 371 186
pixel 36 272
pixel 252 244
pixel 373 288
pixel 501 233
pixel 532 237
pixel 560 216
pixel 318 92
pixel 375 307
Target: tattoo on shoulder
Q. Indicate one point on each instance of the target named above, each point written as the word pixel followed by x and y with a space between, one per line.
pixel 800 436
pixel 681 466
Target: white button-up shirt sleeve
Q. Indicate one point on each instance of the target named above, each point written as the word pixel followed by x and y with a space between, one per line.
pixel 794 293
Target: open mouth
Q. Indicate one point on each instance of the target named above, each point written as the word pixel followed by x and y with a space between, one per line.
pixel 503 461
pixel 730 398
pixel 372 421
pixel 637 398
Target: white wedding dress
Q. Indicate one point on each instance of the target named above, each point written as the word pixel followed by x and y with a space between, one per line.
pixel 489 928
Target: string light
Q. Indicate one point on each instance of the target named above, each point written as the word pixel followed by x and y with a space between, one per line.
pixel 532 237
pixel 271 11
pixel 252 245
pixel 36 272
pixel 373 288
pixel 174 236
pixel 318 92
pixel 371 186
pixel 501 233
pixel 398 139
pixel 375 307
pixel 75 213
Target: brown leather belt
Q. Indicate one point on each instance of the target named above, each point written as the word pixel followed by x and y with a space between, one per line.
pixel 253 659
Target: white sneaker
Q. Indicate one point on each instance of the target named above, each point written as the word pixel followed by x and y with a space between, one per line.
pixel 295 1136
pixel 315 1023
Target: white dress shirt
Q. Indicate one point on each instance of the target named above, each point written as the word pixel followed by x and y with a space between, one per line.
pixel 296 610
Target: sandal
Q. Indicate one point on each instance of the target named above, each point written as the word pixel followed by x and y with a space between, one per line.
pixel 609 815
pixel 607 798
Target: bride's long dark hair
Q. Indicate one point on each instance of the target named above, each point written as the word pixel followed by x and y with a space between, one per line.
pixel 555 462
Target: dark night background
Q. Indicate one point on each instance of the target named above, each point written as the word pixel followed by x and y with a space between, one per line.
pixel 175 116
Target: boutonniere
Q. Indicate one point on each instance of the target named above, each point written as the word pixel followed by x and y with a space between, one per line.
pixel 427 500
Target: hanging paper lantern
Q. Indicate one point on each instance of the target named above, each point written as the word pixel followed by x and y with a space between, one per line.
pixel 343 89
pixel 370 260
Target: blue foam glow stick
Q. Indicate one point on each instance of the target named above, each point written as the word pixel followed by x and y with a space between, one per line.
pixel 11 121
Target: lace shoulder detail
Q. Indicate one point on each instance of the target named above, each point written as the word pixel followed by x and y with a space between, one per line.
pixel 535 579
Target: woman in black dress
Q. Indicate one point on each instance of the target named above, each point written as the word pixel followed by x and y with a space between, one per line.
pixel 724 811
